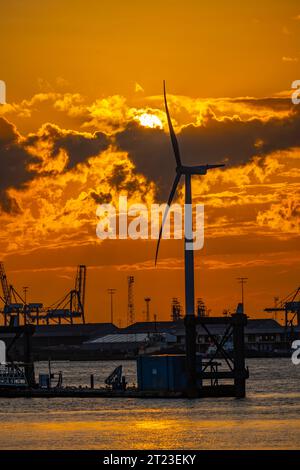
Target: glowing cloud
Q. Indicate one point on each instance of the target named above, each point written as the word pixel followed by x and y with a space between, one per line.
pixel 150 120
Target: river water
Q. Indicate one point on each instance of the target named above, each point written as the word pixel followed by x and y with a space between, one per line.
pixel 269 418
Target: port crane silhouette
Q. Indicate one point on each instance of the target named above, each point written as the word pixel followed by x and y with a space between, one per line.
pixel 290 305
pixel 17 310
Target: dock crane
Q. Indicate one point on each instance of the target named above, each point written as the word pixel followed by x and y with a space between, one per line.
pixel 71 306
pixel 290 305
pixel 13 302
pixel 4 284
pixel 67 309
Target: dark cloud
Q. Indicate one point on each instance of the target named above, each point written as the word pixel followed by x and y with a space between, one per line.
pixel 151 153
pixel 121 179
pixel 14 160
pixel 101 198
pixel 232 141
pixel 15 156
pixel 235 141
pixel 78 146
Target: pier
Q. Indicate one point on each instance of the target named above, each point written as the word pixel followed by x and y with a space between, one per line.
pixel 190 381
pixel 76 392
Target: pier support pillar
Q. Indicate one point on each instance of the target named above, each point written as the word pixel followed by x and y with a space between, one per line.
pixel 240 373
pixel 190 351
pixel 29 364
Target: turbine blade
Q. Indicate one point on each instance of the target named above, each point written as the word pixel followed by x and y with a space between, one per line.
pixel 171 196
pixel 171 130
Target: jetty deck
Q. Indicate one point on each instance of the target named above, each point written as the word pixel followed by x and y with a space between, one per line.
pixel 72 392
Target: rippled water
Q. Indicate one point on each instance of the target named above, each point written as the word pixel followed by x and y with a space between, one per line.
pixel 268 418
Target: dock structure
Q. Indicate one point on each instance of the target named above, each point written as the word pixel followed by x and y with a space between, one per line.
pixel 235 360
pixel 67 310
pixel 74 392
pixel 21 333
pixel 208 381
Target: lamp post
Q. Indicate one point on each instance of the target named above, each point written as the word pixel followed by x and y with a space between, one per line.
pixel 111 293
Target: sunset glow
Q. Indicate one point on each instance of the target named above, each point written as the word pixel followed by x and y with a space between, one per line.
pixel 150 120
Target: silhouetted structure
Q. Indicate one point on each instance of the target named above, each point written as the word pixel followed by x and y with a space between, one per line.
pixel 201 308
pixel 17 310
pixel 147 300
pixel 176 310
pixel 290 306
pixel 236 322
pixel 242 281
pixel 130 302
pixel 111 293
pixel 22 334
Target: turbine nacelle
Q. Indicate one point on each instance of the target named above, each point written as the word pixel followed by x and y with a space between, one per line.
pixel 196 169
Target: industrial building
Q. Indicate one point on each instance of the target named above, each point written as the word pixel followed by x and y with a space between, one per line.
pixel 91 341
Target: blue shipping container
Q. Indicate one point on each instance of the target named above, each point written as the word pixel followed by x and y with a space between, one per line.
pixel 165 372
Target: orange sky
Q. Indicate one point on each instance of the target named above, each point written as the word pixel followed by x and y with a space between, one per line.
pixel 78 81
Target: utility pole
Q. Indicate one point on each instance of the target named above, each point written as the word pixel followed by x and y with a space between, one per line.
pixel 275 306
pixel 242 281
pixel 111 293
pixel 25 290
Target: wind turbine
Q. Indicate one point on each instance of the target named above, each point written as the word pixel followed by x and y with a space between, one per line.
pixel 187 172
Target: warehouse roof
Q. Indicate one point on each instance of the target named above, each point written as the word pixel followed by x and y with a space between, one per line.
pixel 88 330
pixel 121 338
pixel 152 327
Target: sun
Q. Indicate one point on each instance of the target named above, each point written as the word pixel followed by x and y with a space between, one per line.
pixel 150 120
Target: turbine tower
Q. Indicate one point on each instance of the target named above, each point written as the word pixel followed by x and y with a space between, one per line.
pixel 187 172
